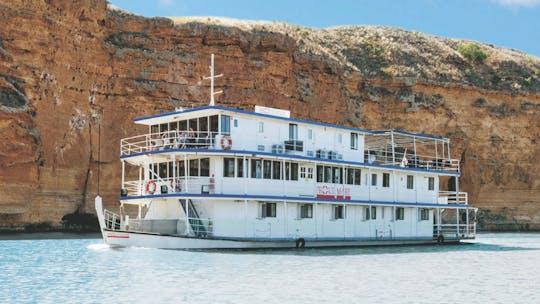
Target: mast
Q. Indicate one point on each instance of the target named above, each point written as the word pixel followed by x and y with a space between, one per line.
pixel 212 77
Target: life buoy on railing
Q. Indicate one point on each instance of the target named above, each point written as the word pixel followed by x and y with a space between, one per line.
pixel 226 142
pixel 150 187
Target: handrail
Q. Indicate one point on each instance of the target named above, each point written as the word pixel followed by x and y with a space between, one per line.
pixel 167 140
pixel 194 184
pixel 451 197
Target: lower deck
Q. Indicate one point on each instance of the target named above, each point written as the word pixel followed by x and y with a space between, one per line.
pixel 286 221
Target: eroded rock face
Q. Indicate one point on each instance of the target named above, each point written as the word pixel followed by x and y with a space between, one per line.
pixel 66 68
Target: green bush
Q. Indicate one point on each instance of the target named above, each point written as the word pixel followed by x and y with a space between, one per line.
pixel 473 52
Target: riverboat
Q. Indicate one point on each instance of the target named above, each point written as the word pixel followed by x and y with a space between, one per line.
pixel 214 177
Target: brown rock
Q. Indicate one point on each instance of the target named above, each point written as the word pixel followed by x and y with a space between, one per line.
pixel 67 67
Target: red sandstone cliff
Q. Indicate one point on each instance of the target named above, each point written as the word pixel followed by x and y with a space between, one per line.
pixel 66 67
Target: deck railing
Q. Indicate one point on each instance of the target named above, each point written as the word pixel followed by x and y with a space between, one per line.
pixel 173 185
pixel 167 140
pixel 455 230
pixel 451 197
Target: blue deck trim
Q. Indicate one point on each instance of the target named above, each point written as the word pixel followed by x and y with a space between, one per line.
pixel 256 153
pixel 289 198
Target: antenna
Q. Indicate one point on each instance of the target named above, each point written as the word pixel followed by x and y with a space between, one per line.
pixel 211 77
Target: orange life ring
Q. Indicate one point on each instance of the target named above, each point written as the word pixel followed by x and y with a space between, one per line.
pixel 150 187
pixel 226 142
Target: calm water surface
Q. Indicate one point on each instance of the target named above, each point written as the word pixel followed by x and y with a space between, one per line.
pixel 497 268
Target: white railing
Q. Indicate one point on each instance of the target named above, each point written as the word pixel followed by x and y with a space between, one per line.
pixel 112 220
pixel 467 230
pixel 451 197
pixel 168 140
pixel 198 185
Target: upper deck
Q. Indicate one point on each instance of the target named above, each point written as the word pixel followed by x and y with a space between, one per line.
pixel 216 128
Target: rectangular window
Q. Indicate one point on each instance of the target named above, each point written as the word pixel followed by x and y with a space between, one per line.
pixel 338 172
pixel 327 174
pixel 410 182
pixel 374 179
pixel 276 170
pixel 236 123
pixel 424 214
pixel 228 167
pixel 357 175
pixel 309 173
pixel 268 210
pixel 354 141
pixel 181 169
pixel 367 216
pixel 213 124
pixel 340 138
pixel 310 134
pixel 225 125
pixel 194 167
pixel 373 212
pixel 267 169
pixel 294 171
pixel 256 168
pixel 320 174
pixel 205 167
pixel 350 176
pixel 260 148
pixel 293 131
pixel 302 172
pixel 431 183
pixel 400 214
pixel 261 127
pixel 339 212
pixel 306 211
pixel 240 166
pixel 386 180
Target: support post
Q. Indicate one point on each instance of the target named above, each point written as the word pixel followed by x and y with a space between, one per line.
pixel 393 148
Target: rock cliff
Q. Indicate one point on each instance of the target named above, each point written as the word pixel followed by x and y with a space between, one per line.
pixel 67 67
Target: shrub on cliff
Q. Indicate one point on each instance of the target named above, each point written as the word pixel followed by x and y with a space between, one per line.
pixel 473 52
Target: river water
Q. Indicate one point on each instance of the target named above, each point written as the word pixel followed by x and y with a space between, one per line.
pixel 496 268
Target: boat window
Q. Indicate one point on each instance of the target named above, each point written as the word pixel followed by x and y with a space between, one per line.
pixel 267 169
pixel 194 167
pixel 431 183
pixel 163 128
pixel 293 131
pixel 182 125
pixel 170 170
pixel 228 167
pixel 357 175
pixel 306 211
pixel 320 174
pixel 339 212
pixel 205 167
pixel 240 166
pixel 214 124
pixel 410 182
pixel 310 134
pixel 367 216
pixel 162 172
pixel 373 212
pixel 386 180
pixel 225 124
pixel 294 171
pixel 261 127
pixel 400 213
pixel 203 126
pixel 256 168
pixel 327 174
pixel 340 138
pixel 276 170
pixel 338 174
pixel 268 210
pixel 424 214
pixel 180 168
pixel 374 179
pixel 354 141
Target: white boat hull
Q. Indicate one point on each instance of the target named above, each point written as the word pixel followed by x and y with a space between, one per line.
pixel 134 239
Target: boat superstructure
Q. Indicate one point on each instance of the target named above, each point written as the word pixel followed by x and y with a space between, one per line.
pixel 218 177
